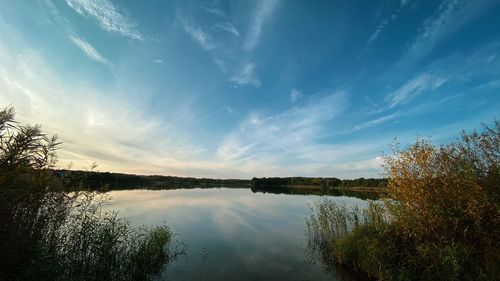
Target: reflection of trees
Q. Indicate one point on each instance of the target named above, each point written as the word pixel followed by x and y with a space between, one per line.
pixel 365 195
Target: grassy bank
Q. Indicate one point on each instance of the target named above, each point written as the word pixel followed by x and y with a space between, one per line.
pixel 49 234
pixel 439 221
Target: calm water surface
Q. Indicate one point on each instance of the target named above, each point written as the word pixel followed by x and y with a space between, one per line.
pixel 231 234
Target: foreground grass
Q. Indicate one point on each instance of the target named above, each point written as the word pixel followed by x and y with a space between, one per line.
pixel 94 244
pixel 440 221
pixel 48 234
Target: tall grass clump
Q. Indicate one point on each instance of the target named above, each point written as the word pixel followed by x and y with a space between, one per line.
pixel 440 220
pixel 49 234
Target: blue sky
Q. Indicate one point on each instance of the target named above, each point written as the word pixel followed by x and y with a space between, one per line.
pixel 236 89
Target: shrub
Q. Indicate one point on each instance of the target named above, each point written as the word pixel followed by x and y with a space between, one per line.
pixel 440 220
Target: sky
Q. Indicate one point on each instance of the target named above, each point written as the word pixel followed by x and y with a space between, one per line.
pixel 237 89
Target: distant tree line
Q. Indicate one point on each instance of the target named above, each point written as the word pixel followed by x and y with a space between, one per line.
pixel 318 182
pixel 105 180
pixel 99 180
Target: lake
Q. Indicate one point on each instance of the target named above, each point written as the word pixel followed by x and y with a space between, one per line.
pixel 231 233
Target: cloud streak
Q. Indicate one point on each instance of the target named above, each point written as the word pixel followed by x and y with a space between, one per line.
pixel 450 16
pixel 282 136
pixel 414 87
pixel 196 33
pixel 214 11
pixel 380 28
pixel 89 50
pixel 376 122
pixel 295 95
pixel 246 75
pixel 122 138
pixel 269 152
pixel 229 27
pixel 265 9
pixel 107 16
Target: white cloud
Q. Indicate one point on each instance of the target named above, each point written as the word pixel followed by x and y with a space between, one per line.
pixel 159 61
pixel 265 9
pixel 281 136
pixel 289 144
pixel 295 95
pixel 89 50
pixel 375 122
pixel 124 137
pixel 196 33
pixel 377 32
pixel 422 83
pixel 482 64
pixel 372 166
pixel 221 64
pixel 380 28
pixel 246 75
pixel 213 10
pixel 229 27
pixel 450 16
pixel 229 109
pixel 107 15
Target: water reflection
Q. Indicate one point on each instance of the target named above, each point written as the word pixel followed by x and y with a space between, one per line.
pixel 366 194
pixel 231 234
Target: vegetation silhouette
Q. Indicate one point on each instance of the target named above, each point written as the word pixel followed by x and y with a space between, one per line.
pixel 325 183
pixel 49 234
pixel 95 180
pixel 440 219
pixel 364 194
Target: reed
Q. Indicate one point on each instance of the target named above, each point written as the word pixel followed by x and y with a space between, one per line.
pixel 49 234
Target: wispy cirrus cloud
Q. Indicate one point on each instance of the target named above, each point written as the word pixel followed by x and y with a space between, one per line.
pixel 284 133
pixel 376 121
pixel 246 75
pixel 108 17
pixel 213 11
pixel 237 65
pixel 229 27
pixel 478 66
pixel 287 143
pixel 295 95
pixel 197 34
pixel 450 17
pixel 380 28
pixel 62 22
pixel 89 50
pixel 78 111
pixel 416 86
pixel 264 10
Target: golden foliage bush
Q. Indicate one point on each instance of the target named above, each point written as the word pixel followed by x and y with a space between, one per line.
pixel 440 220
pixel 447 193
